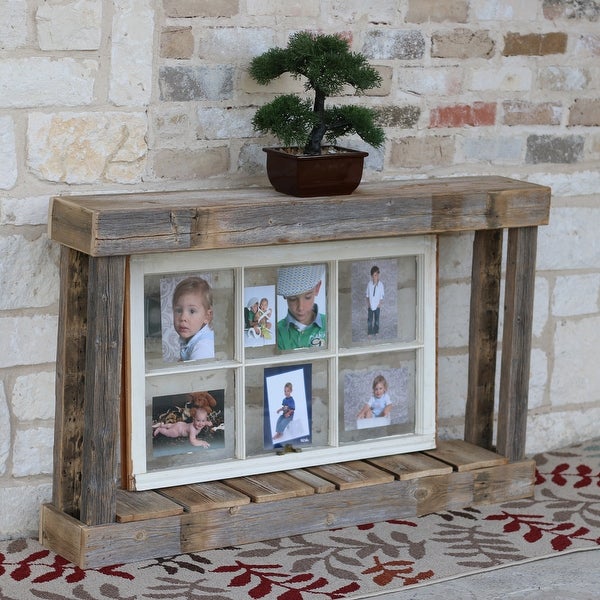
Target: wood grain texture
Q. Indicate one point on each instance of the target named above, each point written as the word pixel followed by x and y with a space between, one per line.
pixel 411 466
pixel 70 381
pixel 102 399
pixel 352 474
pixel 483 337
pixel 464 456
pixel 516 342
pixel 139 506
pixel 201 497
pixel 154 222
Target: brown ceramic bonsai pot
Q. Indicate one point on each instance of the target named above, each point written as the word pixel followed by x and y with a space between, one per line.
pixel 333 173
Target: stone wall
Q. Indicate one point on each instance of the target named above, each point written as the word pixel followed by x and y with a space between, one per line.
pixel 142 94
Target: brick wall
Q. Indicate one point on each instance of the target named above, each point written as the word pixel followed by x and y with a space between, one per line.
pixel 142 94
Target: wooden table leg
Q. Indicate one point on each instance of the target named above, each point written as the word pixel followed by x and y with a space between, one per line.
pixel 70 381
pixel 516 342
pixel 106 285
pixel 483 337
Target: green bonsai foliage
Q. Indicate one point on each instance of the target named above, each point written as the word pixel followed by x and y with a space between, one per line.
pixel 327 64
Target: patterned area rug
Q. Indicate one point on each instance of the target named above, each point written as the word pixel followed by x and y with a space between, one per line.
pixel 355 562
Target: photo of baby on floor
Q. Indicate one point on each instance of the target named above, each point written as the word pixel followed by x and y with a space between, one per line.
pixel 287 406
pixel 184 423
pixel 376 398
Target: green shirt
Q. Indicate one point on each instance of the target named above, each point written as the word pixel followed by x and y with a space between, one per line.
pixel 289 336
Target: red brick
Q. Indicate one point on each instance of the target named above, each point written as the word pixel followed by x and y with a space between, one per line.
pixel 478 114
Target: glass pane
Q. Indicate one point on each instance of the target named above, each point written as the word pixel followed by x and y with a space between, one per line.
pixel 286 405
pixel 377 301
pixel 189 419
pixel 377 396
pixel 188 317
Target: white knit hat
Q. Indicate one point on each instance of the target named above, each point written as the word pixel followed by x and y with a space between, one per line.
pixel 293 281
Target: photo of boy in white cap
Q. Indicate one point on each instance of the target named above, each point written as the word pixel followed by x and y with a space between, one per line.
pixel 303 326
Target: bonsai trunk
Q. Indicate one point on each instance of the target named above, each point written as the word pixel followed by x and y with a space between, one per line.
pixel 313 145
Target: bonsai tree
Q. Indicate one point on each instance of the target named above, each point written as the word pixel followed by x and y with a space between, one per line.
pixel 327 64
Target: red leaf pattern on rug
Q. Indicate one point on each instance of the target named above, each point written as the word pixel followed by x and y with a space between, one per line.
pixel 342 563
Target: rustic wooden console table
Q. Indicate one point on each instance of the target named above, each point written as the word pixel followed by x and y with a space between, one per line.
pixel 92 522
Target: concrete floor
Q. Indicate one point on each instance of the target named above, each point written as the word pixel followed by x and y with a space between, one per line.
pixel 574 576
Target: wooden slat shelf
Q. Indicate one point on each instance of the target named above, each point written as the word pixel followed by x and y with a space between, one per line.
pixel 92 523
pixel 250 509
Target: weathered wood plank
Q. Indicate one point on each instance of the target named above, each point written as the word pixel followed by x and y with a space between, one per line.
pixel 483 337
pixel 70 381
pixel 269 487
pixel 106 283
pixel 516 342
pixel 503 483
pixel 137 223
pixel 139 506
pixel 205 496
pixel 318 484
pixel 464 456
pixel 411 466
pixel 352 474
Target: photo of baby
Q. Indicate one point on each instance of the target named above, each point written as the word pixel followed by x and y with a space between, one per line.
pixel 182 423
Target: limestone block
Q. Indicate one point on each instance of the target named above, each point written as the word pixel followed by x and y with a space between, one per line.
pixel 504 79
pixel 184 84
pixel 28 340
pixel 32 451
pixel 234 44
pixel 455 255
pixel 429 82
pixel 190 164
pixel 87 147
pixel 24 211
pixel 550 431
pixel 423 11
pixel 201 8
pixel 6 437
pixel 290 8
pixel 565 149
pixel 132 52
pixel 571 239
pixel 76 25
pixel 394 44
pixel 575 376
pixel 576 295
pixel 21 503
pixel 571 183
pixel 541 303
pixel 538 378
pixel 13 24
pixel 462 44
pixel 453 371
pixel 225 123
pixel 503 10
pixel 422 152
pixel 563 79
pixel 454 303
pixel 252 159
pixel 358 12
pixel 57 82
pixel 8 153
pixel 494 149
pixel 33 396
pixel 26 272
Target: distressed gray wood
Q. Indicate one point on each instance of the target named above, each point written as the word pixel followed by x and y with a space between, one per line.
pixel 483 337
pixel 516 342
pixel 154 222
pixel 102 401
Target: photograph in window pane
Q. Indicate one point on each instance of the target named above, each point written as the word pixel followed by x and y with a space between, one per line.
pixel 378 298
pixel 288 406
pixel 259 316
pixel 377 395
pixel 196 317
pixel 193 425
pixel 301 307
